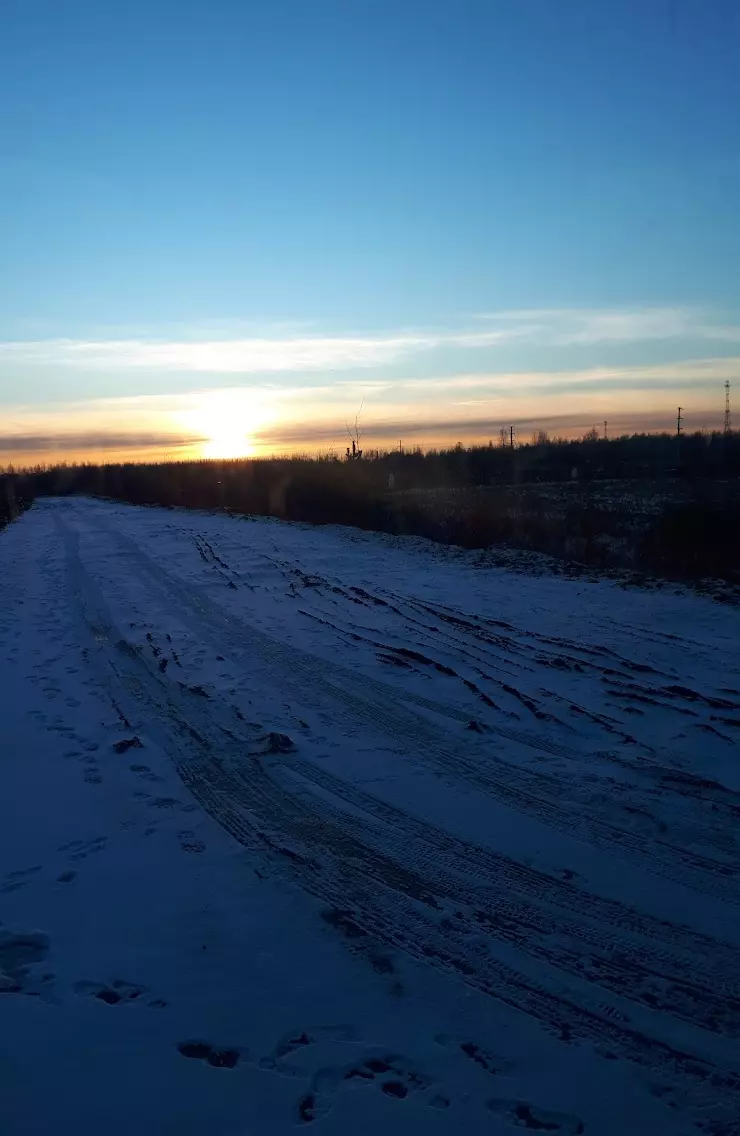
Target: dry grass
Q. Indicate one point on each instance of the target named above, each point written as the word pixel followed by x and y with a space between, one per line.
pixel 624 509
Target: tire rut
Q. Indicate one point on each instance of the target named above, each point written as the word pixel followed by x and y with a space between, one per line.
pixel 537 794
pixel 324 857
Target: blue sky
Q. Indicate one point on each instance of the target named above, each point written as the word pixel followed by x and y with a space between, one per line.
pixel 293 206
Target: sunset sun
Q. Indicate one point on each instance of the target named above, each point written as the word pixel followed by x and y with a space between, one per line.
pixel 226 441
pixel 226 422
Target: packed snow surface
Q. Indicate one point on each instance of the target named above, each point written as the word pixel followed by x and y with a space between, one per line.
pixel 304 828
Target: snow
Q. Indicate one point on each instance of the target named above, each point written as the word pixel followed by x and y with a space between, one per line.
pixel 486 880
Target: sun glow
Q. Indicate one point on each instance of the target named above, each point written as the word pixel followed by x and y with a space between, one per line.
pixel 227 442
pixel 227 422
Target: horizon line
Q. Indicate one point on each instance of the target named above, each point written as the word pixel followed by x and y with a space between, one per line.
pixel 369 453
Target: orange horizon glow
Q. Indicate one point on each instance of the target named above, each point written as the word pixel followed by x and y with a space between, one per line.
pixel 233 446
pixel 264 421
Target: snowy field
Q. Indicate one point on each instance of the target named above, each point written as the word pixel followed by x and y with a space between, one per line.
pixel 316 829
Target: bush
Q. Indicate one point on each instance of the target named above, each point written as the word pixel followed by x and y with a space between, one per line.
pixel 695 540
pixel 16 495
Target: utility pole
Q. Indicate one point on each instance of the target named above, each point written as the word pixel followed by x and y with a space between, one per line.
pixel 728 420
pixel 606 432
pixel 678 440
pixel 511 436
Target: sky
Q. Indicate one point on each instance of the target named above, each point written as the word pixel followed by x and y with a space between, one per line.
pixel 233 227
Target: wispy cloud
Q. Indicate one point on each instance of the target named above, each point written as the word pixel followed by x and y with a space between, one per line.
pixel 226 356
pixel 433 411
pixel 296 353
pixel 435 432
pixel 248 355
pixel 564 326
pixel 695 374
pixel 94 442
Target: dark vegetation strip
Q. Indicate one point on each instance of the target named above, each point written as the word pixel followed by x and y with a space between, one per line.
pixel 616 504
pixel 16 495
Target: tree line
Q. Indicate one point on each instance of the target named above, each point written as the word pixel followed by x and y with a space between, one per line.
pixel 670 507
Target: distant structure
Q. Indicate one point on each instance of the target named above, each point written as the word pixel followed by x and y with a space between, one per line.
pixel 606 432
pixel 728 419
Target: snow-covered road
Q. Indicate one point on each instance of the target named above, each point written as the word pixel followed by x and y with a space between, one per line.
pixel 311 827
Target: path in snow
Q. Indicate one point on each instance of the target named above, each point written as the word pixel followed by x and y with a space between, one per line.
pixel 312 826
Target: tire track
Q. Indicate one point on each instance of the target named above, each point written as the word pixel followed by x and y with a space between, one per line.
pixel 385 899
pixel 357 699
pixel 671 945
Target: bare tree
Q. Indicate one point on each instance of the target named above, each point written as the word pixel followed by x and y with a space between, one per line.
pixel 354 453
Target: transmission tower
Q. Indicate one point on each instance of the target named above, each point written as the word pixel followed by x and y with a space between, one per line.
pixel 728 420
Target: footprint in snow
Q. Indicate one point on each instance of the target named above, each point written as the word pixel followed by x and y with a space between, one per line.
pixel 491 1062
pixel 275 743
pixel 218 1057
pixel 12 881
pixel 392 1075
pixel 20 950
pixel 144 772
pixel 524 1115
pixel 81 849
pixel 127 743
pixel 299 1039
pixel 112 994
pixel 189 842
